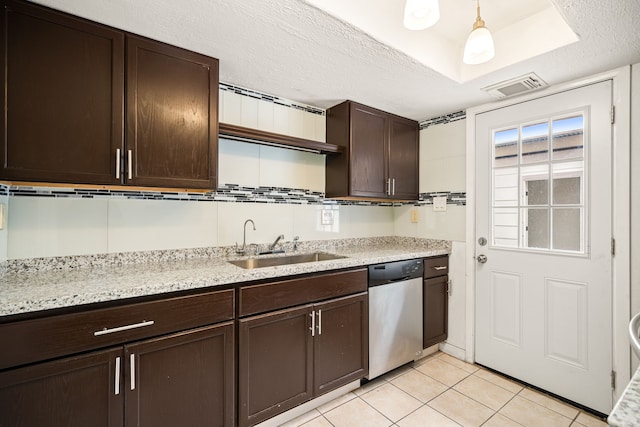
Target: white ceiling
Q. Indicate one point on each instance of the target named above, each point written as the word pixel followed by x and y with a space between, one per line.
pixel 294 50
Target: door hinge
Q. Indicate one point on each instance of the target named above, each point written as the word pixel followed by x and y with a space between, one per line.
pixel 613 247
pixel 613 114
pixel 613 380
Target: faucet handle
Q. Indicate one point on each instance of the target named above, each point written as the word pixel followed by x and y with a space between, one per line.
pixel 295 243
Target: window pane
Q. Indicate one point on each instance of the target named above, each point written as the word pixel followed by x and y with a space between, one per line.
pixel 535 184
pixel 536 228
pixel 567 191
pixel 505 227
pixel 505 187
pixel 535 143
pixel 568 138
pixel 567 233
pixel 505 144
pixel 538 192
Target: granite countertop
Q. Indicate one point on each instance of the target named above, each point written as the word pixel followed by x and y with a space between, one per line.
pixel 626 413
pixel 25 290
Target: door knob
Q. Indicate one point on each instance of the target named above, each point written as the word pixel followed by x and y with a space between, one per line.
pixel 481 259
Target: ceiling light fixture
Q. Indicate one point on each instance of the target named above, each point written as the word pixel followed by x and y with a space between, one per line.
pixel 479 47
pixel 421 14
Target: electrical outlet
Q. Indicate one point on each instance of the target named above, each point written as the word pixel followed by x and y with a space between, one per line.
pixel 414 215
pixel 440 204
pixel 327 217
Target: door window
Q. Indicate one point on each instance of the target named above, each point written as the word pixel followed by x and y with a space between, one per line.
pixel 538 189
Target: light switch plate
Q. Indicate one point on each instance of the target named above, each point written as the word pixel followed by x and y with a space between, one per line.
pixel 440 204
pixel 414 215
pixel 3 216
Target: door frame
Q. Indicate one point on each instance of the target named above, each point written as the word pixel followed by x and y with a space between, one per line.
pixel 621 214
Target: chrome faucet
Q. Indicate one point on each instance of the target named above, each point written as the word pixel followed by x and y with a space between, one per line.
pixel 273 245
pixel 243 250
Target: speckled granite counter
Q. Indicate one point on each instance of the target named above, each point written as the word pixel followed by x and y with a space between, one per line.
pixel 626 413
pixel 37 285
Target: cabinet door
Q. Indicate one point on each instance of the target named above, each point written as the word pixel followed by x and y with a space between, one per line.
pixel 368 173
pixel 63 89
pixel 77 391
pixel 275 363
pixel 435 310
pixel 403 158
pixel 172 116
pixel 341 342
pixel 182 379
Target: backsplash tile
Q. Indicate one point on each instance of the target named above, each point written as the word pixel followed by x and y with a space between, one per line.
pixel 227 193
pixel 447 118
pixel 270 98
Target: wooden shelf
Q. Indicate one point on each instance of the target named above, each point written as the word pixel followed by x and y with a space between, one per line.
pixel 256 136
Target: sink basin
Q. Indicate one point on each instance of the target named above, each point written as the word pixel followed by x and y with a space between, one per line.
pixel 285 260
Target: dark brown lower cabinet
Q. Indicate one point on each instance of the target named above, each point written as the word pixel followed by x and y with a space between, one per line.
pixel 185 379
pixel 290 356
pixel 435 310
pixel 180 379
pixel 341 345
pixel 76 391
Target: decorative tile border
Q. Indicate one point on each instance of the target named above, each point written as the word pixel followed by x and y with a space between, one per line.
pixel 447 118
pixel 270 98
pixel 4 190
pixel 231 193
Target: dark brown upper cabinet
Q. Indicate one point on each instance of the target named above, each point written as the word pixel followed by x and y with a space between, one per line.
pixel 65 105
pixel 63 92
pixel 380 158
pixel 172 116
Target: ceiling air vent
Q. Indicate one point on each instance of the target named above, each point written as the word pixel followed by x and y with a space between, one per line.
pixel 516 86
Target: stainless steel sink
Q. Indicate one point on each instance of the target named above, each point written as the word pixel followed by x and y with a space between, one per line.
pixel 285 260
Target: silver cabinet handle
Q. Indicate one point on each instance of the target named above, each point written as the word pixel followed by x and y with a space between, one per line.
pixel 388 185
pixel 449 288
pixel 319 322
pixel 393 188
pixel 117 387
pixel 129 164
pixel 132 361
pixel 117 163
pixel 313 324
pixel 440 267
pixel 106 331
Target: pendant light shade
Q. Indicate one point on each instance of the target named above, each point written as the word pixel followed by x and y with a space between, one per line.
pixel 479 47
pixel 421 14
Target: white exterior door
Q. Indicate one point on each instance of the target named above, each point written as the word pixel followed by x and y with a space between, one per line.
pixel 543 276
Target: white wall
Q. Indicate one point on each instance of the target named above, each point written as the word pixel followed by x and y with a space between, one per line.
pixel 635 194
pixel 443 169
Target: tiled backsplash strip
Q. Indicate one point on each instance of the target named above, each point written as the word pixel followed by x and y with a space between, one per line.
pixel 226 193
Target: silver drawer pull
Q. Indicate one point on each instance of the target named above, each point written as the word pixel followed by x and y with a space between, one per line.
pixel 106 331
pixel 132 362
pixel 438 268
pixel 117 163
pixel 117 379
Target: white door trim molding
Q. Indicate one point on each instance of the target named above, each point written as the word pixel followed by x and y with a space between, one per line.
pixel 621 214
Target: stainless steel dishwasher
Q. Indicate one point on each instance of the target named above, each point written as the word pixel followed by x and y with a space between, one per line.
pixel 395 315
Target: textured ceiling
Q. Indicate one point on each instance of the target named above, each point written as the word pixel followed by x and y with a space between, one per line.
pixel 291 49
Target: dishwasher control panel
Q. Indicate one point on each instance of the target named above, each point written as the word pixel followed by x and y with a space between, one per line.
pixel 389 272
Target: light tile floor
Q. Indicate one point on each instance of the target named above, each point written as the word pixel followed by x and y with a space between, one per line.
pixel 442 391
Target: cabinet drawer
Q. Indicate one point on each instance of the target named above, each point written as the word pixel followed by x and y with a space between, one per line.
pixel 45 338
pixel 436 266
pixel 287 293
